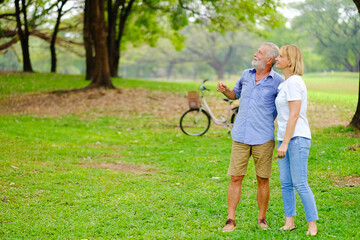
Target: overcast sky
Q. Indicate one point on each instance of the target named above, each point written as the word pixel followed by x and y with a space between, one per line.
pixel 288 12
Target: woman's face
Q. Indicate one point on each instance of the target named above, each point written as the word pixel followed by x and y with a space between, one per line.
pixel 282 62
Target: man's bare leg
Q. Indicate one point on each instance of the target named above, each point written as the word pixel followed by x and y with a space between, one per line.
pixel 263 196
pixel 233 197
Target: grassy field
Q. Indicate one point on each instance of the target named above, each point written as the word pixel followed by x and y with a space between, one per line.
pixel 130 175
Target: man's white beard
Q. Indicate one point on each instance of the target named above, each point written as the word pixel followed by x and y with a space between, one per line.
pixel 258 65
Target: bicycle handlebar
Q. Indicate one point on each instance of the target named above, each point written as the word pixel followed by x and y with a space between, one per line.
pixel 202 87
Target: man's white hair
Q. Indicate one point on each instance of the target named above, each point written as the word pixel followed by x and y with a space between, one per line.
pixel 273 52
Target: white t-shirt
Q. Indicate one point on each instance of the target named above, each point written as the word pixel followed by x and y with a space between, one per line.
pixel 290 90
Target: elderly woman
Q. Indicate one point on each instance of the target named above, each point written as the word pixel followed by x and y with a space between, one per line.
pixel 294 138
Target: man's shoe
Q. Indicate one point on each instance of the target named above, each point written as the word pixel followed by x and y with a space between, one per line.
pixel 229 225
pixel 263 224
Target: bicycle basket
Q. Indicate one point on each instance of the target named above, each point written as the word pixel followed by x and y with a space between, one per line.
pixel 193 99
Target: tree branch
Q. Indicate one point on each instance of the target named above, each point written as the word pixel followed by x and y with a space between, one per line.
pixel 182 5
pixel 9 44
pixel 4 15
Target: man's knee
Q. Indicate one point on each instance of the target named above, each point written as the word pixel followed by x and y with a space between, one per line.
pixel 262 181
pixel 236 180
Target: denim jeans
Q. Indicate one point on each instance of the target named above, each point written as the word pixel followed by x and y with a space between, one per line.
pixel 293 175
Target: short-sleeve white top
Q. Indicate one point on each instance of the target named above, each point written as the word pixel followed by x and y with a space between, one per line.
pixel 291 90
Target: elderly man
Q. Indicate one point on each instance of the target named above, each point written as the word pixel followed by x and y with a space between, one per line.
pixel 253 131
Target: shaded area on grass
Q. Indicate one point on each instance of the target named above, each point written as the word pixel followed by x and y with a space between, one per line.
pixel 51 195
pixel 170 105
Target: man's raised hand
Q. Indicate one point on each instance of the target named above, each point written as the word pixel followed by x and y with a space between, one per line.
pixel 221 87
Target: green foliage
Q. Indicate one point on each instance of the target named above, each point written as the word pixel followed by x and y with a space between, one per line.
pixel 337 31
pixel 150 20
pixel 178 18
pixel 49 190
pixel 244 14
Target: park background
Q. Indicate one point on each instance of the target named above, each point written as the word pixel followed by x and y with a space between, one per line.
pixel 104 163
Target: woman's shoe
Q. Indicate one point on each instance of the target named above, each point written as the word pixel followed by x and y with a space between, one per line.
pixel 287 229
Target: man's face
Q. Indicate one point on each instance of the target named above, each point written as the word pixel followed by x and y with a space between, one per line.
pixel 260 57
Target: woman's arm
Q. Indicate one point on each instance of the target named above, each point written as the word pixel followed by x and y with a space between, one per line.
pixel 294 109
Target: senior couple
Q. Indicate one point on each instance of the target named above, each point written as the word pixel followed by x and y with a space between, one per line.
pixel 265 95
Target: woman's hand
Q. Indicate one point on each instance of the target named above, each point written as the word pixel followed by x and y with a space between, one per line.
pixel 282 150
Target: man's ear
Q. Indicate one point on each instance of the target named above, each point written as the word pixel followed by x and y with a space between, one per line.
pixel 269 60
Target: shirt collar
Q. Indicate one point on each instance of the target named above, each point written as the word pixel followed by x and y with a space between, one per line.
pixel 271 74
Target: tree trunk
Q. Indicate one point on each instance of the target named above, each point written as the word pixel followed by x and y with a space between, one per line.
pixel 169 69
pixel 357 3
pixel 101 70
pixel 115 41
pixel 357 65
pixel 23 35
pixel 113 10
pixel 195 73
pixel 53 37
pixel 214 61
pixel 220 71
pixel 115 63
pixel 88 43
pixel 219 68
pixel 355 122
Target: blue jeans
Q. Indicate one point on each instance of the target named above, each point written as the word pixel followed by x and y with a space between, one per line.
pixel 293 175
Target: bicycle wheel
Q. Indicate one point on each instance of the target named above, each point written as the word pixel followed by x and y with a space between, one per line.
pixel 233 116
pixel 195 122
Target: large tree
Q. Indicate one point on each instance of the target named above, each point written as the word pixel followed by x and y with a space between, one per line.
pixel 60 13
pixel 148 17
pixel 23 33
pixel 355 122
pixel 357 3
pixel 33 18
pixel 118 12
pixel 336 32
pixel 165 61
pixel 212 47
pixel 88 42
pixel 95 24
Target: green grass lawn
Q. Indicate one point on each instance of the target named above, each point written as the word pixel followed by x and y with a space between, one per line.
pixel 49 190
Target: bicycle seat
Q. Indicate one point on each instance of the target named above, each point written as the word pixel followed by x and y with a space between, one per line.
pixel 228 100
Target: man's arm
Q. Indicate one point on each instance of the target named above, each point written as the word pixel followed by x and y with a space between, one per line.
pixel 229 93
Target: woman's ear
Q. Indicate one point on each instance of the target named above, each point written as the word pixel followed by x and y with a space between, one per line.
pixel 289 63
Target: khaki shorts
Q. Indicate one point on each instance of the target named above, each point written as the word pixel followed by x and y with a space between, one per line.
pixel 262 155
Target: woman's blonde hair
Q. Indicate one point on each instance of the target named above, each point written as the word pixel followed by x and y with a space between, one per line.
pixel 293 53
